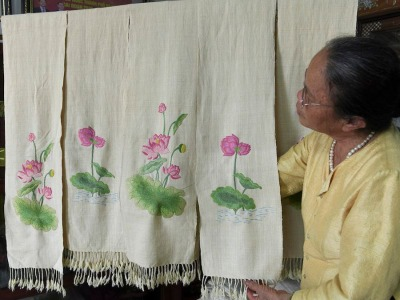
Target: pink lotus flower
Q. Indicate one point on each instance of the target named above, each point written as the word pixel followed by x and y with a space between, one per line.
pixel 46 192
pixel 88 138
pixel 244 149
pixel 162 108
pixel 158 144
pixel 31 169
pixel 31 137
pixel 230 145
pixel 173 171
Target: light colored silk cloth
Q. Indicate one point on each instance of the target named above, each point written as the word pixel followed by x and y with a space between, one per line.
pixel 240 224
pixel 131 78
pixel 126 117
pixel 303 28
pixel 34 52
pixel 138 88
pixel 350 251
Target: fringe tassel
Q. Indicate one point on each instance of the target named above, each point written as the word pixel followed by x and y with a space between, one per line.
pixel 292 268
pixel 218 288
pixel 100 268
pixel 38 279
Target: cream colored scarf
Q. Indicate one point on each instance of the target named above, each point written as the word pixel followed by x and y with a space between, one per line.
pixel 303 27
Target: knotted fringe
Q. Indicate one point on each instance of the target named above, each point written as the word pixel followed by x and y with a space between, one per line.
pixel 100 268
pixel 218 288
pixel 292 268
pixel 38 279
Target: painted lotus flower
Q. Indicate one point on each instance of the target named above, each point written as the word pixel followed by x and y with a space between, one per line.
pixel 158 144
pixel 28 203
pixel 88 137
pixel 46 192
pixel 151 187
pixel 162 108
pixel 231 145
pixel 31 137
pixel 173 171
pixel 244 148
pixel 86 181
pixel 31 169
pixel 228 196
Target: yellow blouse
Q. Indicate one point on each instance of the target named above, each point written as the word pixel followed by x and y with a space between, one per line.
pixel 351 217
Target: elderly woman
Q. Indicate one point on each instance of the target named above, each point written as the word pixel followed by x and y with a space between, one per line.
pixel 348 169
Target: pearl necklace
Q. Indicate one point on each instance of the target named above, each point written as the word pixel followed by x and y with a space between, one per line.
pixel 351 152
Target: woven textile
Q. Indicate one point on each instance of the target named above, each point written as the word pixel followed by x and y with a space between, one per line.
pixel 34 51
pixel 303 27
pixel 134 101
pixel 240 232
pixel 130 117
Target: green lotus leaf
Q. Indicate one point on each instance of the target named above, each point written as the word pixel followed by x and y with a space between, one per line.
pixel 178 122
pixel 85 181
pixel 149 194
pixel 152 166
pixel 47 151
pixel 246 182
pixel 42 218
pixel 229 197
pixel 101 171
pixel 29 188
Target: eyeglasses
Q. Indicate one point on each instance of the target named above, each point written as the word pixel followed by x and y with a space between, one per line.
pixel 310 103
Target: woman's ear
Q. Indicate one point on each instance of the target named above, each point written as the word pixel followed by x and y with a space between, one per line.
pixel 354 123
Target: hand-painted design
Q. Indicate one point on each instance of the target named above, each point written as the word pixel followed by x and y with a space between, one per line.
pixel 31 210
pixel 245 216
pixel 83 196
pixel 86 181
pixel 228 196
pixel 151 192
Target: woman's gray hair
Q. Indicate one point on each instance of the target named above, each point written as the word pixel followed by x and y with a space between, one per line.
pixel 364 80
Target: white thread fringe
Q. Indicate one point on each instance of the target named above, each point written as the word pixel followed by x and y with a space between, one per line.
pixel 100 268
pixel 219 288
pixel 38 279
pixel 292 268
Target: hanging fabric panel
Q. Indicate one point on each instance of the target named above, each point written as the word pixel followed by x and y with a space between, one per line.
pixel 131 84
pixel 303 28
pixel 34 51
pixel 236 173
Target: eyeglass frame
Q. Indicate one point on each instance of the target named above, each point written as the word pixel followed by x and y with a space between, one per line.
pixel 311 103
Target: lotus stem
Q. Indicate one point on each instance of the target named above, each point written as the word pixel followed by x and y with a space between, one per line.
pixel 92 158
pixel 163 131
pixel 34 145
pixel 44 180
pixel 165 181
pixel 169 129
pixel 170 159
pixel 234 171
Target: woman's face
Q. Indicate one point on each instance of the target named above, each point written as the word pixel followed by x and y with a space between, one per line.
pixel 321 118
